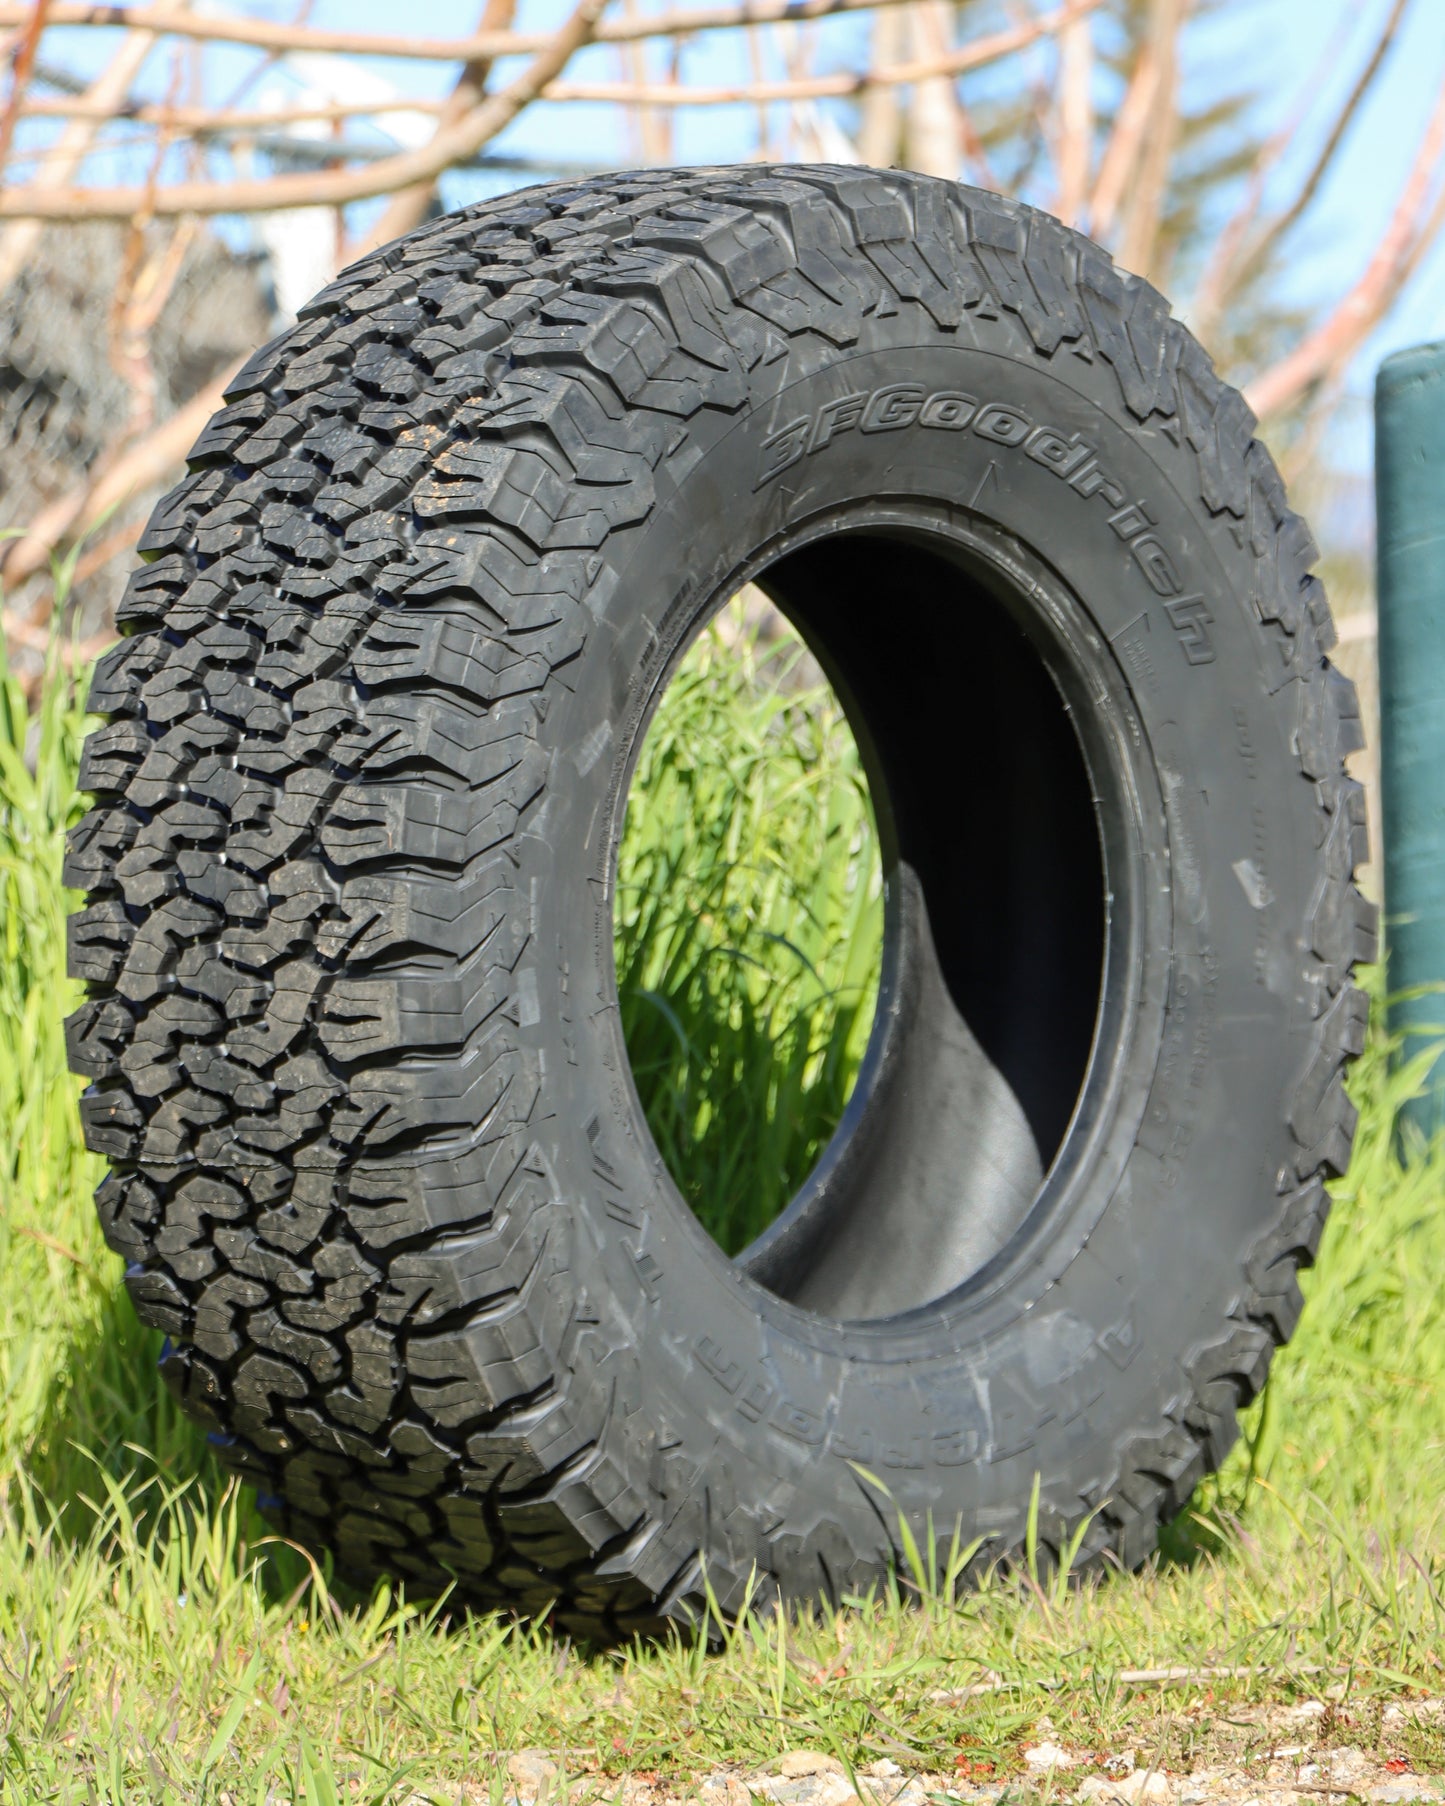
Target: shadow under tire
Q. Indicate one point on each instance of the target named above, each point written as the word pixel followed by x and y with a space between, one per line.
pixel 378 1167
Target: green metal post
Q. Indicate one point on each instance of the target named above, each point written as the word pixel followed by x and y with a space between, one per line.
pixel 1410 511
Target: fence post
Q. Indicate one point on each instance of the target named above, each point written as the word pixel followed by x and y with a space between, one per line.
pixel 1410 512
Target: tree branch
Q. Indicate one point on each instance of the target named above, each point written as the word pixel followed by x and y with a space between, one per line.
pixel 264 35
pixel 1144 212
pixel 323 188
pixel 408 206
pixel 1401 246
pixel 1310 186
pixel 841 85
pixel 20 75
pixel 1206 302
pixel 880 131
pixel 1122 150
pixel 65 156
pixel 334 188
pixel 1076 118
pixel 935 130
pixel 1234 270
pixel 185 120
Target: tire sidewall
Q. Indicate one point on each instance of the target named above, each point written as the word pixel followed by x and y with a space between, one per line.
pixel 1045 1369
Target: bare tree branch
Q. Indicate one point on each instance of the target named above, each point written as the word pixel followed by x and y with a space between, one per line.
pixel 188 119
pixel 323 188
pixel 64 158
pixel 763 150
pixel 841 85
pixel 332 188
pixel 263 34
pixel 654 129
pixel 1310 186
pixel 20 75
pixel 1076 118
pixel 1231 271
pixel 1144 208
pixel 935 131
pixel 408 206
pixel 1205 303
pixel 1411 228
pixel 880 124
pixel 1121 153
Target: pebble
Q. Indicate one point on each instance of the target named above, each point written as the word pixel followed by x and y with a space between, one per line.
pixel 531 1773
pixel 1049 1755
pixel 1144 1787
pixel 818 1785
pixel 794 1764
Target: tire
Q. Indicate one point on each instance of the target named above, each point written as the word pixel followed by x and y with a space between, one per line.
pixel 377 1164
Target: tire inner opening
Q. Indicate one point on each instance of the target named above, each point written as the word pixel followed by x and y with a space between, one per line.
pixel 993 935
pixel 748 919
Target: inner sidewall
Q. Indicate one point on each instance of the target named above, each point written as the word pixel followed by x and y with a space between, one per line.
pixel 970 702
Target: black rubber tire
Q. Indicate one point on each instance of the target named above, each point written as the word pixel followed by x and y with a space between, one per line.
pixel 377 1164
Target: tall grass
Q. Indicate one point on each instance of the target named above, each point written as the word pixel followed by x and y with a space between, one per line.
pixel 153 1644
pixel 748 923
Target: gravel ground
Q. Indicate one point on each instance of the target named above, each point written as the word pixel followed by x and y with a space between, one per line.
pixel 1271 1756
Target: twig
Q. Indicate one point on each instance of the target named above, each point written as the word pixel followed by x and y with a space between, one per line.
pixel 1126 1677
pixel 1231 276
pixel 1122 150
pixel 1148 191
pixel 408 206
pixel 1043 142
pixel 20 75
pixel 1076 118
pixel 99 552
pixel 265 35
pixel 763 150
pixel 1400 248
pixel 226 126
pixel 327 188
pixel 53 1243
pixel 842 85
pixel 935 130
pixel 332 188
pixel 880 116
pixel 1205 303
pixel 1310 186
pixel 654 130
pixel 63 158
pixel 189 119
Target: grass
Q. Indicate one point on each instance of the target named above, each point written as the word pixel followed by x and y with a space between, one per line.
pixel 156 1644
pixel 749 923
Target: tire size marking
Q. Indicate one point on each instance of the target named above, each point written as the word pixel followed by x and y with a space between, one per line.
pixel 1069 457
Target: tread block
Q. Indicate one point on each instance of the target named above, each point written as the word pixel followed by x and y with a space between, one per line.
pixel 96 941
